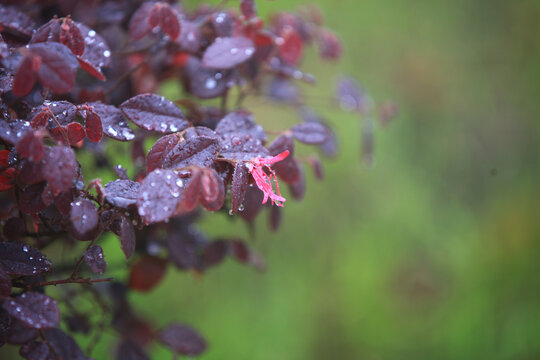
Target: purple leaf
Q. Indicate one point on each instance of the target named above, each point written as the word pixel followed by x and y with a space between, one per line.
pixel 84 218
pixel 311 133
pixel 36 310
pixel 160 150
pixel 94 258
pixel 164 16
pixel 200 151
pixel 5 283
pixel 159 195
pixel 122 193
pixel 131 350
pixel 155 113
pixel 18 259
pixel 127 237
pixel 240 122
pixel 215 252
pixel 36 350
pixel 30 200
pixel 94 129
pixel 60 168
pixel 351 96
pixel 228 52
pixel 70 35
pixel 97 53
pixel 58 66
pixel 63 345
pixel 12 131
pixel 239 187
pixel 182 340
pixel 16 22
pixel 114 124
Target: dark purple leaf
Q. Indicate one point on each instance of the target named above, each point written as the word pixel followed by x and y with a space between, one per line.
pixel 184 246
pixel 239 187
pixel 215 252
pixel 95 259
pixel 36 310
pixel 190 37
pixel 207 83
pixel 70 35
pixel 147 273
pixel 63 345
pixel 12 131
pixel 113 122
pixel 94 129
pixel 312 133
pixel 64 114
pixel 127 237
pixel 84 218
pixel 30 146
pixel 252 204
pixel 36 350
pixel 122 193
pixel 242 148
pixel 228 52
pixel 284 90
pixel 5 284
pixel 241 122
pixel 58 66
pixel 160 150
pixel 298 189
pixel 14 228
pixel 19 333
pixel 60 168
pixel 48 32
pixel 30 201
pixel 159 195
pixel 16 22
pixel 182 340
pixel 131 350
pixel 200 151
pixel 154 112
pixel 274 218
pixel 18 259
pixel 288 169
pixel 317 166
pixel 30 173
pixel 97 53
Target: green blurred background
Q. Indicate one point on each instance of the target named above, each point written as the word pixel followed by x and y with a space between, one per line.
pixel 432 253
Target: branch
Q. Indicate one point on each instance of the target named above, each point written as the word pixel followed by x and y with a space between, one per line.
pixel 88 281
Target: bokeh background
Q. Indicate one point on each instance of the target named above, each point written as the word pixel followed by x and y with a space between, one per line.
pixel 430 254
pixel 433 252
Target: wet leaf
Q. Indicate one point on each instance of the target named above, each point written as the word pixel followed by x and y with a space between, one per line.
pixel 159 195
pixel 30 146
pixel 139 26
pixel 122 193
pixel 60 168
pixel 75 133
pixel 182 340
pixel 84 218
pixel 350 95
pixel 160 150
pixel 70 35
pixel 97 53
pixel 164 16
pixel 239 187
pixel 212 190
pixel 19 333
pixel 94 258
pixel 147 273
pixel 15 21
pixel 154 112
pixel 26 75
pixel 228 52
pixel 94 129
pixel 200 151
pixel 30 201
pixel 12 131
pixel 5 284
pixel 240 122
pixel 18 259
pixel 114 124
pixel 36 310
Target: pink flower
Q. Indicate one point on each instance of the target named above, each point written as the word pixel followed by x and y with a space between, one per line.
pixel 257 167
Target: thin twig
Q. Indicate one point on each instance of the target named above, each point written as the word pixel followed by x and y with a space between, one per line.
pixel 88 281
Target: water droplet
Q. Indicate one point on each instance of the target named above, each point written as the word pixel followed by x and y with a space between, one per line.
pixel 231 212
pixel 241 207
pixel 111 131
pixel 179 183
pixel 249 51
pixel 173 128
pixel 107 53
pixel 234 51
pixel 91 33
pixel 210 83
pixel 84 217
pixel 25 248
pixel 152 184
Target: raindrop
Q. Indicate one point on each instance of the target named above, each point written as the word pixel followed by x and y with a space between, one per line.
pixel 231 212
pixel 25 248
pixel 179 183
pixel 210 83
pixel 91 33
pixel 249 51
pixel 107 53
pixel 241 207
pixel 234 51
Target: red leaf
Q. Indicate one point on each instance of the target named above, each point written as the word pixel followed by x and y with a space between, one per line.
pixel 330 47
pixel 36 310
pixel 75 133
pixel 7 179
pixel 160 150
pixel 212 192
pixel 70 35
pixel 113 122
pixel 166 17
pixel 25 78
pixel 228 52
pixel 147 273
pixel 248 8
pixel 291 46
pixel 139 25
pixel 94 129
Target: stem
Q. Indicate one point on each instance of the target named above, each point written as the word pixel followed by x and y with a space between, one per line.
pixel 70 281
pixel 124 76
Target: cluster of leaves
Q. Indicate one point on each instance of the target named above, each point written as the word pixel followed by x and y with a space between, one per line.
pixel 78 75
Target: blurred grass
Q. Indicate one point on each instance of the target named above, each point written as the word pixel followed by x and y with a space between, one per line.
pixel 432 254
